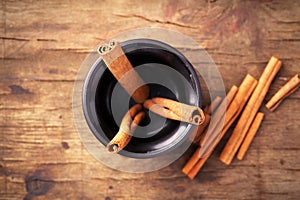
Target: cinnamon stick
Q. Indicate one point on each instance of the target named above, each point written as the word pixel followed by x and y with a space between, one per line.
pixel 290 87
pixel 199 164
pixel 175 110
pixel 127 127
pixel 250 136
pixel 250 111
pixel 119 65
pixel 191 162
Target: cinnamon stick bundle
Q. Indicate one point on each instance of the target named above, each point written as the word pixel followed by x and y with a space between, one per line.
pixel 216 122
pixel 127 127
pixel 219 112
pixel 290 87
pixel 250 111
pixel 250 136
pixel 234 109
pixel 119 65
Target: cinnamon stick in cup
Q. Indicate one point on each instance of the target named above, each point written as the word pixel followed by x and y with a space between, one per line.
pixel 127 127
pixel 290 87
pixel 119 65
pixel 175 110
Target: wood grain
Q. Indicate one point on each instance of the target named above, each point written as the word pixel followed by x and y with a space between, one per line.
pixel 42 46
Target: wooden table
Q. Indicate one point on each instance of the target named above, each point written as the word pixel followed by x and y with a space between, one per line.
pixel 42 46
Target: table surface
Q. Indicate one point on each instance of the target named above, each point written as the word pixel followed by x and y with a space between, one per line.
pixel 42 46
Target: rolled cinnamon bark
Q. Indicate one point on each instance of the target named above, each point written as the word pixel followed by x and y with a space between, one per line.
pixel 175 110
pixel 290 87
pixel 127 127
pixel 250 136
pixel 119 65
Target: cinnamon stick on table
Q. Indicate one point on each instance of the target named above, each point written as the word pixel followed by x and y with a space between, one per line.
pixel 250 136
pixel 290 87
pixel 234 109
pixel 119 65
pixel 250 111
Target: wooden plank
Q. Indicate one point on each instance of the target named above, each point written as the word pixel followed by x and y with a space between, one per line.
pixel 42 47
